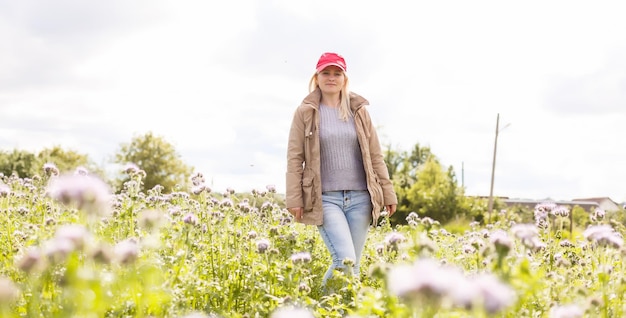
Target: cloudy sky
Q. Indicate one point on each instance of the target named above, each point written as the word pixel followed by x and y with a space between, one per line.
pixel 220 81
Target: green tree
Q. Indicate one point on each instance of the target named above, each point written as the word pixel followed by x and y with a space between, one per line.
pixel 66 160
pixel 158 158
pixel 403 166
pixel 20 162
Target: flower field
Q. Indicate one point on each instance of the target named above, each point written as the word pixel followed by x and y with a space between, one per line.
pixel 71 248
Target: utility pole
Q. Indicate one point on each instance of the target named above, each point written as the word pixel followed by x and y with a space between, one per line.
pixel 493 165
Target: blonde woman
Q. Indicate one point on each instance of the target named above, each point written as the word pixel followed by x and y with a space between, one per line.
pixel 336 178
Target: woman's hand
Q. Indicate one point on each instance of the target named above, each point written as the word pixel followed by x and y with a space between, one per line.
pixel 391 209
pixel 296 212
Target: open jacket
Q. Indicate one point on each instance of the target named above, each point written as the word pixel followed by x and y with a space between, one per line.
pixel 304 186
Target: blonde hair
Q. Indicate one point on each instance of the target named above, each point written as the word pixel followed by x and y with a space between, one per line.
pixel 345 111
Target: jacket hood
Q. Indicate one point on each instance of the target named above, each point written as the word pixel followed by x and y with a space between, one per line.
pixel 356 101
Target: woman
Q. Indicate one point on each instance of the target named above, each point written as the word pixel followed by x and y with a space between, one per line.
pixel 336 176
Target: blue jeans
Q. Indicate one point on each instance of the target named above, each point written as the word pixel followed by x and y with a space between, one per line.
pixel 347 217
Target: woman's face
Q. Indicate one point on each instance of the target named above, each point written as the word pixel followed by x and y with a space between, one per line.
pixel 331 80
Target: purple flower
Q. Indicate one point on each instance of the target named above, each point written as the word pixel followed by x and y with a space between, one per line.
pixel 560 210
pixel 190 218
pixel 126 251
pixel 197 179
pixel 77 234
pixel 87 193
pixel 301 257
pixel 597 214
pixel 50 169
pixel 426 277
pixel 262 245
pixel 603 235
pixel 271 188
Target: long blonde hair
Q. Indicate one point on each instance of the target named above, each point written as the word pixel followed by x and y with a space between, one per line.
pixel 345 111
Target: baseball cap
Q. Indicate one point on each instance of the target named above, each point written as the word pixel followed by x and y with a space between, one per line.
pixel 328 59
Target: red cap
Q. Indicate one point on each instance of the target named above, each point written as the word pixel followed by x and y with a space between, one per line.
pixel 328 59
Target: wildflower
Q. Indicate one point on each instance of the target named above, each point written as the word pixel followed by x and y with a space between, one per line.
pixel 348 262
pixel 425 277
pixel 501 241
pixel 86 192
pixel 468 249
pixel 567 311
pixel 150 219
pixel 560 210
pixel 428 222
pixel 57 250
pixel 597 214
pixel 8 291
pixel 4 190
pixel 102 254
pixel 525 231
pixel 81 171
pixel 545 207
pixel 413 217
pixel 566 243
pixel 30 259
pixel 271 188
pixel 131 168
pixel 304 288
pixel 393 240
pixel 74 233
pixel 262 245
pixel 226 203
pixel 603 235
pixel 244 206
pixel 50 169
pixel 301 257
pixel 174 211
pixel 190 218
pixel 197 189
pixel 291 312
pixel 492 293
pixel 252 234
pixel 126 251
pixel 197 179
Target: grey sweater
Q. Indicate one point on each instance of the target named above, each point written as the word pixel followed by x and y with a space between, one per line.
pixel 341 159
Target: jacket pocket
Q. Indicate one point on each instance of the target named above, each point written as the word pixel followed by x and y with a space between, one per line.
pixel 308 193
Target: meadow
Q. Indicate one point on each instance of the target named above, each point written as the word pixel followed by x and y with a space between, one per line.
pixel 71 248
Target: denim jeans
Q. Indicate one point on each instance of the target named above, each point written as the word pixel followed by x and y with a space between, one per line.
pixel 347 217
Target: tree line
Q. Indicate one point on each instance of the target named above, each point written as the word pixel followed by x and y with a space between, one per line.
pixel 422 183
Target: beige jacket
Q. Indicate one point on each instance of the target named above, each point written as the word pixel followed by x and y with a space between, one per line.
pixel 304 186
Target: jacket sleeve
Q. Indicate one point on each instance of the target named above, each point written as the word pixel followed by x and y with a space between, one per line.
pixel 295 160
pixel 379 165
